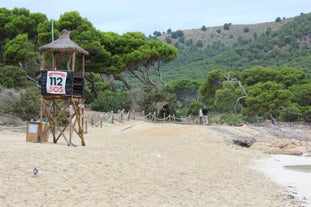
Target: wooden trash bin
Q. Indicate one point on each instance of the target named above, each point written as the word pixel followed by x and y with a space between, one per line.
pixel 33 131
pixel 45 132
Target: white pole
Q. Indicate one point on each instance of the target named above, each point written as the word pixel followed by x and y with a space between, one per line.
pixel 52 28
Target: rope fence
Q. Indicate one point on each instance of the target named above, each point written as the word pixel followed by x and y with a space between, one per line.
pixel 13 128
pixel 97 119
pixel 109 117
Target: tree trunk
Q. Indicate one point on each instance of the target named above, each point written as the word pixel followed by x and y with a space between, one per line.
pixel 272 119
pixel 93 88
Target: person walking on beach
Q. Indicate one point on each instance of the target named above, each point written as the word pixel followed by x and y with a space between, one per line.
pixel 201 116
pixel 205 115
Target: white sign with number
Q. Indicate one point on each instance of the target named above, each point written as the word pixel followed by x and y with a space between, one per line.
pixel 56 82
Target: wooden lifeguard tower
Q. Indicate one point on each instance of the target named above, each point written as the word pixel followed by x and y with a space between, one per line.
pixel 62 93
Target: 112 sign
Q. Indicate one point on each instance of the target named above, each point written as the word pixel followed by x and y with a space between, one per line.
pixel 56 82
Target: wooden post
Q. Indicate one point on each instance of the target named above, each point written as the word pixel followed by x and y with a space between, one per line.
pixel 73 61
pixel 81 107
pixel 85 126
pixel 42 61
pixel 53 126
pixel 83 64
pixel 53 60
pixel 41 108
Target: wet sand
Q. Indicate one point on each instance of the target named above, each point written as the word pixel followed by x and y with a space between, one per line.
pixel 292 172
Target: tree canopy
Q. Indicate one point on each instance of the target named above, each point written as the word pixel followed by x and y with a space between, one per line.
pixel 269 93
pixel 110 53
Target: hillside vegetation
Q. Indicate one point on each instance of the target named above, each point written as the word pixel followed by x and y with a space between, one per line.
pixel 228 34
pixel 284 42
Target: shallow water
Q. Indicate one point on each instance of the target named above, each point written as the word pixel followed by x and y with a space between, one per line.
pixel 290 171
pixel 299 168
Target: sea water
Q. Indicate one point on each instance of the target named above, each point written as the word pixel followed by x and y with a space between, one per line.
pixel 292 172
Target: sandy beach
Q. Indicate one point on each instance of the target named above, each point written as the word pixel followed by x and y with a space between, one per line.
pixel 136 163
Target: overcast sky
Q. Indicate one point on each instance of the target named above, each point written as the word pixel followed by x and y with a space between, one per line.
pixel 148 16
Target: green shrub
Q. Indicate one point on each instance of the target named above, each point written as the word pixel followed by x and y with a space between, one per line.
pixel 229 119
pixel 28 107
pixel 13 77
pixel 290 113
pixel 199 43
pixel 25 104
pixel 157 33
pixel 227 26
pixel 158 101
pixel 8 100
pixel 306 113
pixel 112 101
pixel 246 29
pixel 194 108
pixel 168 40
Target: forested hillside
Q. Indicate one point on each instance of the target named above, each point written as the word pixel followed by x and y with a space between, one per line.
pixel 284 42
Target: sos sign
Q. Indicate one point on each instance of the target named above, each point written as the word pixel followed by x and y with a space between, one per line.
pixel 56 82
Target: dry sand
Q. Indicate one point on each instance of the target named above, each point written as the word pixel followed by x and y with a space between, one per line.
pixel 135 164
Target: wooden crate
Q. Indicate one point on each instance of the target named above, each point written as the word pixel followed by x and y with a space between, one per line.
pixel 33 132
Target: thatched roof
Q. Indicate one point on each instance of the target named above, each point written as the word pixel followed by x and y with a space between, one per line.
pixel 63 44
